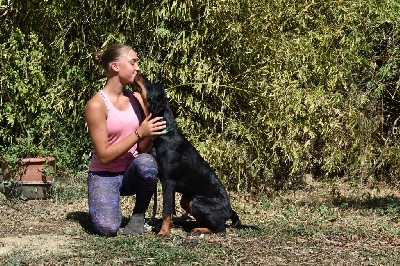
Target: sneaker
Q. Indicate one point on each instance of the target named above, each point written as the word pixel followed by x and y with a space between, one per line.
pixel 135 225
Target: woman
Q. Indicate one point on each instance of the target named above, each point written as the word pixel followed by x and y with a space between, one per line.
pixel 120 136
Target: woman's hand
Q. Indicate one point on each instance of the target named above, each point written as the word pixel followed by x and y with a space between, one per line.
pixel 151 126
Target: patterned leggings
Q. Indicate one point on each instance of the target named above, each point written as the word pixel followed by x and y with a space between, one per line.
pixel 105 189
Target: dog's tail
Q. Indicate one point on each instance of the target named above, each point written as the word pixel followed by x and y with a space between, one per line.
pixel 236 223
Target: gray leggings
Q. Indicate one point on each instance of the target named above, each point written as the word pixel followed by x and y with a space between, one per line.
pixel 105 189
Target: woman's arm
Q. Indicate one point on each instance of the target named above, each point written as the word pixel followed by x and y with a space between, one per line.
pixel 96 116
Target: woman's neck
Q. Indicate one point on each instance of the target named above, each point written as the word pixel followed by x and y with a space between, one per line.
pixel 114 87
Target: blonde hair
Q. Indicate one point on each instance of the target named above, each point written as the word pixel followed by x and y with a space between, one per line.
pixel 112 53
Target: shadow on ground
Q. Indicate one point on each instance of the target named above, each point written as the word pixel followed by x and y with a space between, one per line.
pixel 83 218
pixel 387 204
pixel 185 222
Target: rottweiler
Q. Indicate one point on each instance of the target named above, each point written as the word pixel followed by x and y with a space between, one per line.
pixel 182 169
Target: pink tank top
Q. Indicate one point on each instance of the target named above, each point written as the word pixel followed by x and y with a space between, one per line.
pixel 120 124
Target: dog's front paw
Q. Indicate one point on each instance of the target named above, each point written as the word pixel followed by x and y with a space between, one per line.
pixel 164 232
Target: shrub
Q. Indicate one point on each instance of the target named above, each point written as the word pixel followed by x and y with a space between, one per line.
pixel 266 90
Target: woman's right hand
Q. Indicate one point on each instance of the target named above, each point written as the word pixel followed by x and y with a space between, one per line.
pixel 151 126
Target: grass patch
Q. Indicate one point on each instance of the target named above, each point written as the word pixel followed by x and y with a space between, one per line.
pixel 309 226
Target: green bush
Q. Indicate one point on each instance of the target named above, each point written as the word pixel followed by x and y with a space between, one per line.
pixel 266 90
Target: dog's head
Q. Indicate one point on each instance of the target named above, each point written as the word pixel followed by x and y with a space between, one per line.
pixel 154 94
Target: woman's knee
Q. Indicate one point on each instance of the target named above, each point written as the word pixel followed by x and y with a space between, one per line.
pixel 146 166
pixel 107 229
pixel 146 159
pixel 106 225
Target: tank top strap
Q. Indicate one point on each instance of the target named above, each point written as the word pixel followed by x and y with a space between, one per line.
pixel 106 101
pixel 137 107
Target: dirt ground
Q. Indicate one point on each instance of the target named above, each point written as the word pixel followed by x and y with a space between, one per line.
pixel 299 228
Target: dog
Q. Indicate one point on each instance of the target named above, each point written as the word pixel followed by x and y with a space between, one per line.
pixel 183 170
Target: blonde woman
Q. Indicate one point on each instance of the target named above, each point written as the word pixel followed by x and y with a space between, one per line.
pixel 120 129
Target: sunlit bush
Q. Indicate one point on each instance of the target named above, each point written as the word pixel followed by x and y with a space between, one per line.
pixel 268 91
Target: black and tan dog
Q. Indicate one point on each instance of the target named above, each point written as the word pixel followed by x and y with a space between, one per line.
pixel 183 170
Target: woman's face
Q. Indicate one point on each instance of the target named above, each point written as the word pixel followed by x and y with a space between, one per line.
pixel 128 67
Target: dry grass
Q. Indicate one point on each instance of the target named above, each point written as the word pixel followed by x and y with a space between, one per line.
pixel 322 224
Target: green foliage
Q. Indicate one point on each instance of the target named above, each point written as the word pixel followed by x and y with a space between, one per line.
pixel 23 148
pixel 23 87
pixel 266 90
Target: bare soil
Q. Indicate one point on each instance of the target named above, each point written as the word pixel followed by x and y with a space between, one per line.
pixel 319 225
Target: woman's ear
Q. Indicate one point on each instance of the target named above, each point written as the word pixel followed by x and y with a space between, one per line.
pixel 114 66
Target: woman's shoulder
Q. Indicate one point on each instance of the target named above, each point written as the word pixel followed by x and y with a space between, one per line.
pixel 96 103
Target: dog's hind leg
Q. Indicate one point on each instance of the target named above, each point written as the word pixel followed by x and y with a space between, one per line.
pixel 201 230
pixel 186 204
